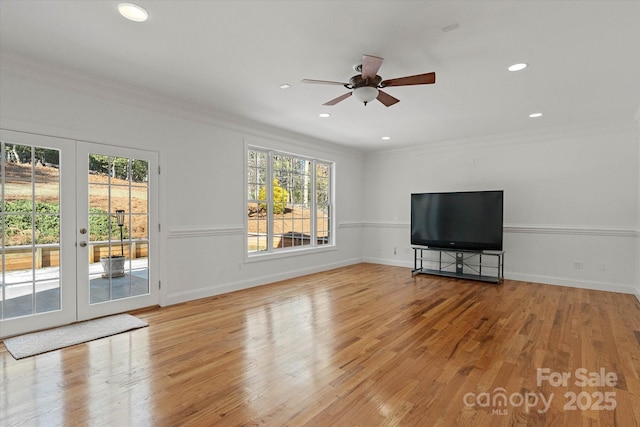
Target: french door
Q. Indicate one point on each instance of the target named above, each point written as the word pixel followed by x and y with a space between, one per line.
pixel 116 208
pixel 64 207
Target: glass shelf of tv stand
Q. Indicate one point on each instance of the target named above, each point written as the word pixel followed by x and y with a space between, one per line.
pixel 463 264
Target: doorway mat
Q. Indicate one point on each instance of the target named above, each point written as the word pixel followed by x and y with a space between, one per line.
pixel 35 343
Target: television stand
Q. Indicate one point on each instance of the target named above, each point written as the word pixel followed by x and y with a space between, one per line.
pixel 485 266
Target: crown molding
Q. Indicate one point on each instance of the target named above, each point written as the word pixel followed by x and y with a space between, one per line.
pixel 608 129
pixel 132 96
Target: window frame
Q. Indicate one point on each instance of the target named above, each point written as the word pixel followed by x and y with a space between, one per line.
pixel 313 246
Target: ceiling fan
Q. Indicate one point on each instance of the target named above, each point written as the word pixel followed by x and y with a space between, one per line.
pixel 366 85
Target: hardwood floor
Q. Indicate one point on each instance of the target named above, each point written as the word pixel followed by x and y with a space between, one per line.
pixel 364 345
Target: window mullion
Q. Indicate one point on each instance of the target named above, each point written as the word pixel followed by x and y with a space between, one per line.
pixel 3 214
pixel 314 208
pixel 269 197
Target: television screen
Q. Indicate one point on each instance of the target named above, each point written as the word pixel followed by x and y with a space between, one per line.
pixel 469 220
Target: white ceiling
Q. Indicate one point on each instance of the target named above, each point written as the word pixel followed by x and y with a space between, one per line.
pixel 230 57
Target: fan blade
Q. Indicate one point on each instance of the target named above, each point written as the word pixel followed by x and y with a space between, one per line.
pixel 338 99
pixel 322 82
pixel 386 99
pixel 419 79
pixel 370 66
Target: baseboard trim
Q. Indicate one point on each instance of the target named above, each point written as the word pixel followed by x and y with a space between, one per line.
pixel 218 289
pixel 572 283
pixel 545 280
pixel 392 262
pixel 223 288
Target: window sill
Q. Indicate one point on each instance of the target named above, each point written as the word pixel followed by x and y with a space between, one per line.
pixel 288 253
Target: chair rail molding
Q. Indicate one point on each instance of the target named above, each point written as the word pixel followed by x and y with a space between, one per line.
pixel 183 232
pixel 535 229
pixel 571 230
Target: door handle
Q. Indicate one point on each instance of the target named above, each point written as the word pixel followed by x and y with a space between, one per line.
pixel 83 244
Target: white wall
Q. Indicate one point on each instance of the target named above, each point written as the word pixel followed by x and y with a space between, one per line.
pixel 638 220
pixel 202 206
pixel 570 195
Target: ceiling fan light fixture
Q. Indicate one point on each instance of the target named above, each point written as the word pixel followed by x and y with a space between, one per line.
pixel 133 12
pixel 365 94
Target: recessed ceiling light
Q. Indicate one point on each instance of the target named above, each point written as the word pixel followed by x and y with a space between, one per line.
pixel 285 86
pixel 324 115
pixel 450 27
pixel 386 138
pixel 133 12
pixel 518 67
pixel 534 115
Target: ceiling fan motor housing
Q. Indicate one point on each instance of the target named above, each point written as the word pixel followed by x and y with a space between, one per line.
pixel 359 81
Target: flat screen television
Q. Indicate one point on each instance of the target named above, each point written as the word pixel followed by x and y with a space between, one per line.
pixel 467 220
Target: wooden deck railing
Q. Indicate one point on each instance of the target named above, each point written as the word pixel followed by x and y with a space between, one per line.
pixel 27 257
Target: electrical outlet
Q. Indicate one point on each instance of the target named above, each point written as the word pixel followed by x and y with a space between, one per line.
pixel 578 265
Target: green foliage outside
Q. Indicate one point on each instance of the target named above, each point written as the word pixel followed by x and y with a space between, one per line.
pixel 20 222
pixel 119 166
pixel 24 153
pixel 18 225
pixel 99 226
pixel 280 198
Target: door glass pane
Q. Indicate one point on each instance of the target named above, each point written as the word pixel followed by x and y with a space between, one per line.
pixel 47 295
pixel 18 300
pixel 47 197
pixel 30 234
pixel 118 228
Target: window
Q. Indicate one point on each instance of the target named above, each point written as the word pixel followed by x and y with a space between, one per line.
pixel 289 201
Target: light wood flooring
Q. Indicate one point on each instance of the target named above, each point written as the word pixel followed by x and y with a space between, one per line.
pixel 365 345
